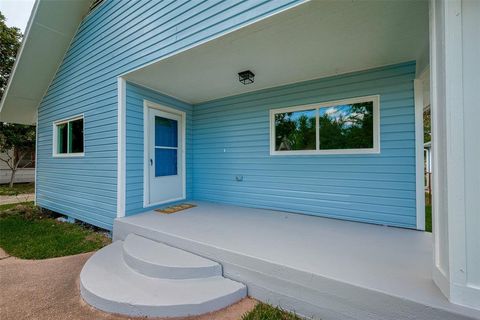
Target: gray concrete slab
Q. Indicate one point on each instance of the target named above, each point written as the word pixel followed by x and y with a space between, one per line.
pixel 372 266
pixel 17 199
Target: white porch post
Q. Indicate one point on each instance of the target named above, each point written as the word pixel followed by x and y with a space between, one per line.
pixel 455 94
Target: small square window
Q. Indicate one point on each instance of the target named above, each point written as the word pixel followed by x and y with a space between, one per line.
pixel 69 137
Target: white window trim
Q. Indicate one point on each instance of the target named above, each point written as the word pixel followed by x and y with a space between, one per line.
pixel 55 138
pixel 376 127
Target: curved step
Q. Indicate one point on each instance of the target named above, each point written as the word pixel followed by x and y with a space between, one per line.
pixel 108 284
pixel 155 259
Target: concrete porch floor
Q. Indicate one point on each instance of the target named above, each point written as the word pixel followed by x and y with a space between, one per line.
pixel 315 266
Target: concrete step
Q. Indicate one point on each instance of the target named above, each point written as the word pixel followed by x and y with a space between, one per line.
pixel 155 259
pixel 108 284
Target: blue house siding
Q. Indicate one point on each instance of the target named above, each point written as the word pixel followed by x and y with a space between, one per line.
pixel 117 37
pixel 231 137
pixel 134 141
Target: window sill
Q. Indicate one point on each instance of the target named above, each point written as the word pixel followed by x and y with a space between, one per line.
pixel 324 152
pixel 69 155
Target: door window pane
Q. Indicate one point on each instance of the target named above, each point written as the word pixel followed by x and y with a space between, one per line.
pixel 165 162
pixel 348 126
pixel 295 130
pixel 166 132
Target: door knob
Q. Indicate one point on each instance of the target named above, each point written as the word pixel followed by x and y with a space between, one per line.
pixel 151 162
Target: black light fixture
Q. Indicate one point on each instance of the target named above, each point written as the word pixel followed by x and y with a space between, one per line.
pixel 246 77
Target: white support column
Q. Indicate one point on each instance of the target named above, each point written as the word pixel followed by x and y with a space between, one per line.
pixel 455 94
pixel 419 163
pixel 121 151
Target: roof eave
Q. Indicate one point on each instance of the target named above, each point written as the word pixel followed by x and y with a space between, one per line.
pixel 50 30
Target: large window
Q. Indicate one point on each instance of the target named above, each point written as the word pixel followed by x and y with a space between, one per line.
pixel 68 139
pixel 346 126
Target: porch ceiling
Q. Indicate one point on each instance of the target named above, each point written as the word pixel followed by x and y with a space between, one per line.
pixel 313 40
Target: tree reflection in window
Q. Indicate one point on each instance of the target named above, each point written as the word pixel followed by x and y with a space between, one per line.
pixel 346 126
pixel 341 127
pixel 295 130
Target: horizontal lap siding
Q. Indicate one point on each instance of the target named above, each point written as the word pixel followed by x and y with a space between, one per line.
pixel 134 178
pixel 231 137
pixel 117 37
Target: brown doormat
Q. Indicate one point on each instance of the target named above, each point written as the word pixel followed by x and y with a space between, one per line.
pixel 176 208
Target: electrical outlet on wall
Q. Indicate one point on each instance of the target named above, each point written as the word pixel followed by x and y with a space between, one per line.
pixel 239 178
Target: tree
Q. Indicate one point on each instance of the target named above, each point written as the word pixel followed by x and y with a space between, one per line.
pixel 294 131
pixel 16 140
pixel 10 38
pixel 427 126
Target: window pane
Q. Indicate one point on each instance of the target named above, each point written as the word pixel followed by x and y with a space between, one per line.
pixel 165 162
pixel 166 132
pixel 76 136
pixel 347 126
pixel 295 130
pixel 62 138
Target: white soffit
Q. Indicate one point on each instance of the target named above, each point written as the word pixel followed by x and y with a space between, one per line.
pixel 313 40
pixel 51 27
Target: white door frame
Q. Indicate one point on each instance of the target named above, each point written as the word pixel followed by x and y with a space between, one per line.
pixel 146 178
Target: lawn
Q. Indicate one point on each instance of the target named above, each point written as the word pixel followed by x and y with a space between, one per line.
pixel 18 188
pixel 5 207
pixel 428 218
pixel 28 233
pixel 428 212
pixel 264 311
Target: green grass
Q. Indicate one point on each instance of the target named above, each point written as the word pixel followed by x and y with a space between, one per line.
pixel 428 212
pixel 264 311
pixel 5 207
pixel 428 218
pixel 18 188
pixel 27 233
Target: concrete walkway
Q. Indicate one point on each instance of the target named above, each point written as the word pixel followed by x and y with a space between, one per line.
pixel 17 199
pixel 49 289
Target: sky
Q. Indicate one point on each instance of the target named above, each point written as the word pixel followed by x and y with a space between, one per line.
pixel 16 12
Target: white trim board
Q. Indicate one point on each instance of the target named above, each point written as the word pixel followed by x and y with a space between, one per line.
pixel 419 156
pixel 121 146
pixel 36 159
pixel 146 181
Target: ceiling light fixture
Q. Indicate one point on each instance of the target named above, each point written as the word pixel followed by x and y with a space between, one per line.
pixel 246 77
